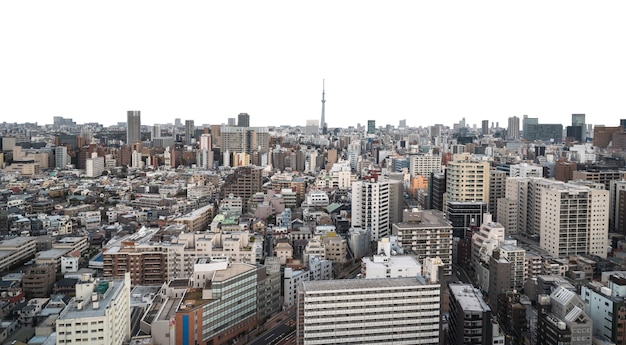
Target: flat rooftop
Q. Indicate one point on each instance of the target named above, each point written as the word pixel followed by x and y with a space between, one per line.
pixel 470 298
pixel 234 270
pixel 115 288
pixel 324 286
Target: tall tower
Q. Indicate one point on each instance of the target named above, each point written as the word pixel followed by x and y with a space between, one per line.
pixel 243 120
pixel 323 120
pixel 133 127
pixel 189 131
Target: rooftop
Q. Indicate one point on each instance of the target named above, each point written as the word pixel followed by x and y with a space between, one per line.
pixel 115 288
pixel 470 298
pixel 324 286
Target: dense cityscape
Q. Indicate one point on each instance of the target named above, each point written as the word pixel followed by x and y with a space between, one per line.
pixel 189 233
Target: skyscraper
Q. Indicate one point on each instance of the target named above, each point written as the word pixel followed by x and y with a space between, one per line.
pixel 323 120
pixel 371 126
pixel 512 131
pixel 243 120
pixel 189 131
pixel 133 127
pixel 485 127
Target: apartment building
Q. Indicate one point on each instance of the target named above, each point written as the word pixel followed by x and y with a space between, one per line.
pixel 367 311
pixel 470 316
pixel 370 206
pixel 426 233
pixel 99 314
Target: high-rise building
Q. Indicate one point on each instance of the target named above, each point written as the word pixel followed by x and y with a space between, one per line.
pixel 190 129
pixel 368 311
pixel 371 126
pixel 99 314
pixel 497 190
pixel 579 128
pixel 485 127
pixel 243 120
pixel 617 203
pixel 574 220
pixel 205 151
pixel 243 183
pixel 133 127
pixel 402 124
pixel 370 206
pixel 467 180
pixel 426 233
pixel 512 131
pixel 437 190
pixel 61 158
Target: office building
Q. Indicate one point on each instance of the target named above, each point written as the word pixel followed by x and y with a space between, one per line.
pixel 605 177
pixel 133 127
pixel 370 206
pixel 190 130
pixel 243 120
pixel 99 314
pixel 437 190
pixel 368 311
pixel 61 158
pixel 371 126
pixel 426 233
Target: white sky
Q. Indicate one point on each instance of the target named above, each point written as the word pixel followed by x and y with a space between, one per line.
pixel 424 61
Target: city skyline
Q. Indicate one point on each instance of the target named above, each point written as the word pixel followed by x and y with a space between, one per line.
pixel 424 62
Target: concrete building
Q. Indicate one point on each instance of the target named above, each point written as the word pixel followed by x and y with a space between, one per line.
pixel 617 204
pixel 370 207
pixel 94 166
pixel 424 164
pixel 362 311
pixel 387 264
pixel 426 233
pixel 513 130
pixel 470 316
pixel 574 220
pixel 99 314
pixel 525 170
pixel 16 251
pixel 497 190
pixel 467 180
pixel 133 127
pixel 562 319
pixel 606 305
pixel 292 281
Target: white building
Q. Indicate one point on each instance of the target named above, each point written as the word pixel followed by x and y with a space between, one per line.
pixel 526 170
pixel 424 164
pixel 370 207
pixel 320 269
pixel 291 280
pixel 317 198
pixel 574 220
pixel 386 264
pixel 94 166
pixel 368 311
pixel 99 314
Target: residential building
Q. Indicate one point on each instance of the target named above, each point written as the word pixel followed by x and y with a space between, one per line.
pixel 370 206
pixel 133 127
pixel 99 314
pixel 362 311
pixel 426 233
